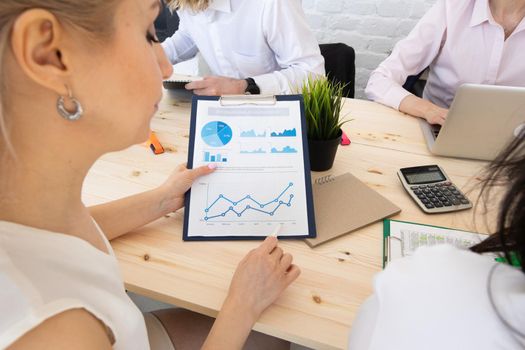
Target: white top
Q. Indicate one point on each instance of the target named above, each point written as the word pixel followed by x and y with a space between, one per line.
pixel 268 40
pixel 462 43
pixel 439 299
pixel 44 273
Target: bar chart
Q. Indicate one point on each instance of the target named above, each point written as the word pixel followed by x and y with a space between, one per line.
pixel 215 157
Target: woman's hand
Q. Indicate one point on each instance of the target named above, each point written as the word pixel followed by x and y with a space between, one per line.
pixel 258 281
pixel 178 183
pixel 436 115
pixel 419 107
pixel 218 86
pixel 140 209
pixel 260 278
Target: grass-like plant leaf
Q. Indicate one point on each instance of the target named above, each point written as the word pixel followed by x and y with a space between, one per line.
pixel 323 102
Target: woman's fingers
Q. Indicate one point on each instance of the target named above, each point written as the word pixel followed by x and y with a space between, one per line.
pixel 285 262
pixel 194 174
pixel 277 253
pixel 268 245
pixel 182 167
pixel 293 272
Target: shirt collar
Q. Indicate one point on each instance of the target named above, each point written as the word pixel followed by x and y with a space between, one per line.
pixel 480 13
pixel 221 5
pixel 520 27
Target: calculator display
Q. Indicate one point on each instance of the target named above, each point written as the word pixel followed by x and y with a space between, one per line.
pixel 423 175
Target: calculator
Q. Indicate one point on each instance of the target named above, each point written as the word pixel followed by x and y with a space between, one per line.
pixel 432 189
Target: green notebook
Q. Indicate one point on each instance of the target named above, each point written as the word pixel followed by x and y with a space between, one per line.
pixel 401 238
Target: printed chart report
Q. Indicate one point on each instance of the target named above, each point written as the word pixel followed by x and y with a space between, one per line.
pixel 260 182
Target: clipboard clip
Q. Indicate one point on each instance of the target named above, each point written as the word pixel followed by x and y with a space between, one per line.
pixel 240 100
pixel 389 244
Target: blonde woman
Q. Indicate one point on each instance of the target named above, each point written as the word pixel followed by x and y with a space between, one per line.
pixel 251 46
pixel 79 79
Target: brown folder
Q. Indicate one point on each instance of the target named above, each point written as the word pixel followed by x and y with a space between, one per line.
pixel 344 204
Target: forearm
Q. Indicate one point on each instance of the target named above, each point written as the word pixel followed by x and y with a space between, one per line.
pixel 288 80
pixel 385 88
pixel 231 328
pixel 124 215
pixel 180 47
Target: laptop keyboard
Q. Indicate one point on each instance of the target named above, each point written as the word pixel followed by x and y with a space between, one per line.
pixel 435 130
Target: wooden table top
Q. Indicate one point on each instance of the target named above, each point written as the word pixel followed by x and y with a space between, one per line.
pixel 318 309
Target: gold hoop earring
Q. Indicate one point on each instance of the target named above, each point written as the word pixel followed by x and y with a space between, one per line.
pixel 64 113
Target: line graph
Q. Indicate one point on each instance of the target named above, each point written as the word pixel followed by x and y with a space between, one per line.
pixel 253 133
pixel 238 207
pixel 285 133
pixel 286 149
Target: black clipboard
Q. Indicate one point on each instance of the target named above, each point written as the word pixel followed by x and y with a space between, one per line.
pixel 251 100
pixel 175 84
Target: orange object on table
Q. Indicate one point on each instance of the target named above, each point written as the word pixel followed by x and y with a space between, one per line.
pixel 154 144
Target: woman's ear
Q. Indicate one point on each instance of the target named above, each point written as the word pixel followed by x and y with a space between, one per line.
pixel 37 45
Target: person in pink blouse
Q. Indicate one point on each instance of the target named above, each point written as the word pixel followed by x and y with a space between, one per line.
pixel 466 41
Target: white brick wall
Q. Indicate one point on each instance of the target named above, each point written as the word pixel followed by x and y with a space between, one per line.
pixel 371 27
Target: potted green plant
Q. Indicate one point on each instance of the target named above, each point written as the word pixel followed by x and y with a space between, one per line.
pixel 323 101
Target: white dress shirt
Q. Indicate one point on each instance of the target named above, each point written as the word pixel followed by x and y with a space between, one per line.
pixel 439 299
pixel 267 40
pixel 462 43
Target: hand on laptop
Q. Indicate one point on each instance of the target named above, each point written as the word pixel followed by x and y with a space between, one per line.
pixel 436 115
pixel 419 107
pixel 217 86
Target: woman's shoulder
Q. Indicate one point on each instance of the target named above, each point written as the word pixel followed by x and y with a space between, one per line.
pixel 28 303
pixel 445 267
pixel 44 274
pixel 440 259
pixel 35 243
pixel 443 289
pixel 39 256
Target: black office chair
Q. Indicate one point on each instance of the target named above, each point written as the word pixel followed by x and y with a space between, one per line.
pixel 339 63
pixel 166 24
pixel 415 85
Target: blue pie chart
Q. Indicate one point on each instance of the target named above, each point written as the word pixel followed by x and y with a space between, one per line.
pixel 216 134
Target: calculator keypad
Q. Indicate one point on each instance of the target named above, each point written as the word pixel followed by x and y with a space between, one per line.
pixel 440 195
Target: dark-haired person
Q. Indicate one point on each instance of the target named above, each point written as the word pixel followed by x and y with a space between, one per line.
pixel 254 46
pixel 466 41
pixel 81 79
pixel 446 298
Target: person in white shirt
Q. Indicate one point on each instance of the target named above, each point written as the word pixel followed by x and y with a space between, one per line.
pixel 66 99
pixel 254 46
pixel 446 298
pixel 467 41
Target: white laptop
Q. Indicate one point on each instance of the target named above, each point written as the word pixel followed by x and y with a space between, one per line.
pixel 482 120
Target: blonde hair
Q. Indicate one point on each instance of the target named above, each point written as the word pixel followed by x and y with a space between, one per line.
pixel 193 5
pixel 92 17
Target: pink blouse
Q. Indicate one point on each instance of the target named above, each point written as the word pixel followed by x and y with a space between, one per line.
pixel 461 43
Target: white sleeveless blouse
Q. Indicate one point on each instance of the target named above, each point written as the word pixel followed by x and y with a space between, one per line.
pixel 44 273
